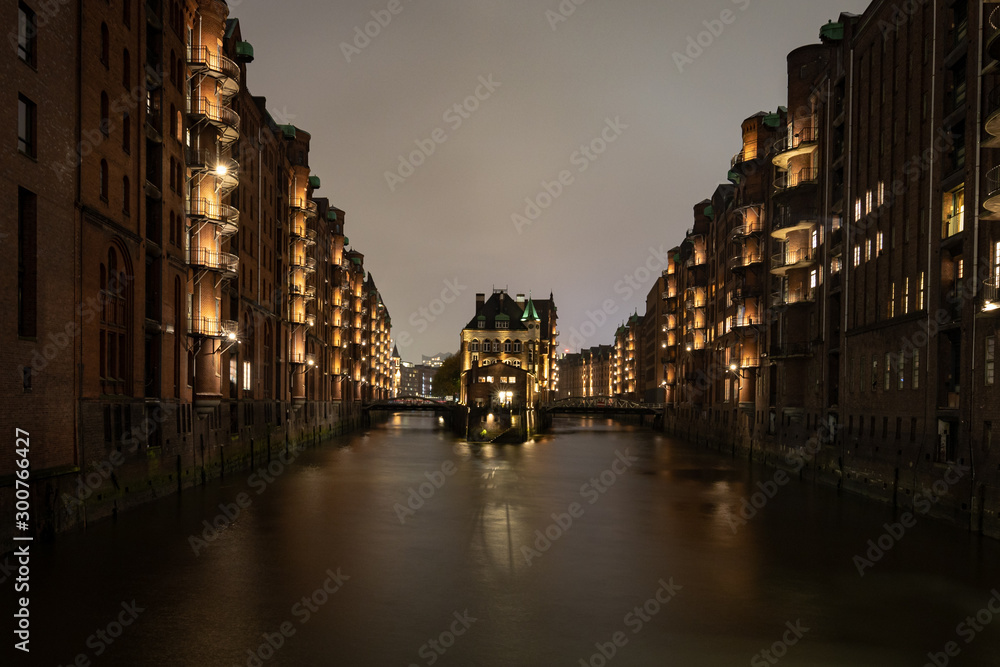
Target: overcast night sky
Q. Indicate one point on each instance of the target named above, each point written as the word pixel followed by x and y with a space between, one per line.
pixel 450 221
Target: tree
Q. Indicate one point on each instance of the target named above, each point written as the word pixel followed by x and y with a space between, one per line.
pixel 448 378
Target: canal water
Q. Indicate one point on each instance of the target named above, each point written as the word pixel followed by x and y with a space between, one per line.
pixel 597 544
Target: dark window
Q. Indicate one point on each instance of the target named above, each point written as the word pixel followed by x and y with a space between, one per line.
pixel 127 13
pixel 27 119
pixel 103 185
pixel 27 31
pixel 127 132
pixel 105 114
pixel 126 196
pixel 126 69
pixel 105 45
pixel 27 263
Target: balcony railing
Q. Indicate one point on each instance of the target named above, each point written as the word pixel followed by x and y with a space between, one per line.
pixel 993 37
pixel 223 262
pixel 794 179
pixel 223 215
pixel 212 328
pixel 992 200
pixel 745 322
pixel 209 162
pixel 792 297
pixel 952 225
pixel 991 295
pixel 805 134
pixel 696 260
pixel 789 258
pixel 748 153
pixel 307 206
pixel 745 259
pixel 749 229
pixel 203 60
pixel 306 291
pixel 790 218
pixel 993 112
pixel 222 116
pixel 299 232
pixel 302 262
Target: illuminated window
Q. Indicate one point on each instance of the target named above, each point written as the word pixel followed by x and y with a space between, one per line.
pixel 921 293
pixel 247 376
pixel 881 241
pixel 916 369
pixel 857 255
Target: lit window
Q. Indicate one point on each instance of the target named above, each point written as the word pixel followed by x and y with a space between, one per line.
pixel 960 271
pixel 814 279
pixel 868 250
pixel 247 376
pixel 916 369
pixel 906 295
pixel 857 255
pixel 881 241
pixel 921 293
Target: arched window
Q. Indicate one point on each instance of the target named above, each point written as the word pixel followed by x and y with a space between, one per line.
pixel 103 185
pixel 126 70
pixel 105 114
pixel 127 132
pixel 496 346
pixel 115 360
pixel 507 346
pixel 105 45
pixel 126 196
pixel 517 346
pixel 474 346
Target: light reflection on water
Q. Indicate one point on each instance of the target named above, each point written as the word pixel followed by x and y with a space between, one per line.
pixel 668 516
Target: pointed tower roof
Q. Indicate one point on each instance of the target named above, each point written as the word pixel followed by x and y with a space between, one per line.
pixel 530 313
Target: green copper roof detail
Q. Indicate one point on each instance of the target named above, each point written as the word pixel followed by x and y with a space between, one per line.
pixel 347 241
pixel 734 178
pixel 710 211
pixel 503 317
pixel 832 31
pixel 356 260
pixel 244 51
pixel 331 216
pixel 530 314
pixel 288 130
pixel 772 120
pixel 314 182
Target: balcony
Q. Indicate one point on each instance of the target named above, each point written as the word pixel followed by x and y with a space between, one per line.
pixel 794 180
pixel 991 202
pixel 745 292
pixel 789 260
pixel 207 327
pixel 224 216
pixel 748 153
pixel 697 259
pixel 306 206
pixel 745 260
pixel 307 292
pixel 794 297
pixel 299 232
pixel 741 232
pixel 302 263
pixel 790 350
pixel 302 317
pixel 201 60
pixel 225 120
pixel 953 225
pixel 993 113
pixel 799 141
pixel 301 359
pixel 207 162
pixel 208 260
pixel 748 362
pixel 993 38
pixel 991 296
pixel 789 221
pixel 746 322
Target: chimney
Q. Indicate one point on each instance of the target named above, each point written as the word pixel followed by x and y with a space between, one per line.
pixel 480 300
pixel 520 298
